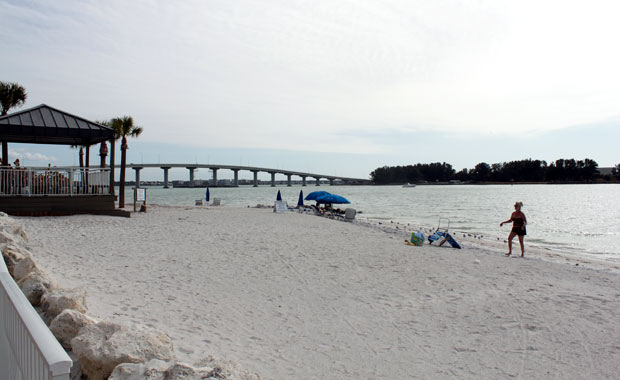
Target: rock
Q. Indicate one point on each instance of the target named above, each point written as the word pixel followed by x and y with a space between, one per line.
pixel 12 255
pixel 67 325
pixel 224 369
pixel 104 345
pixel 35 285
pixel 24 267
pixel 160 370
pixel 13 233
pixel 54 302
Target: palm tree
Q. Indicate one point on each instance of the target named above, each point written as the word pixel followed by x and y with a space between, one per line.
pixel 11 95
pixel 81 147
pixel 123 126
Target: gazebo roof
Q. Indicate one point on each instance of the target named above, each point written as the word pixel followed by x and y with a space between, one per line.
pixel 47 125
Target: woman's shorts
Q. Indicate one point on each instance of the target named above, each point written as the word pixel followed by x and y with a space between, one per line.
pixel 519 231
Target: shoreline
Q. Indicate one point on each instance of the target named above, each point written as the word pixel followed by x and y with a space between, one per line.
pixel 299 297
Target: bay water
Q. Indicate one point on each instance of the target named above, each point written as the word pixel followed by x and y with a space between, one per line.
pixel 576 219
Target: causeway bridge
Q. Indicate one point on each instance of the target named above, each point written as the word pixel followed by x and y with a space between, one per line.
pixel 255 170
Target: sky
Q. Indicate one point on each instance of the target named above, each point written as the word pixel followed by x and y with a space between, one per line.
pixel 333 87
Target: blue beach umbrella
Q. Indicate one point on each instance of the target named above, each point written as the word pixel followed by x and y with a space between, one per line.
pixel 315 194
pixel 279 196
pixel 300 202
pixel 207 194
pixel 332 199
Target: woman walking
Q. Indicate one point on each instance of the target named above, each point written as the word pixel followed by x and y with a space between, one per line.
pixel 518 227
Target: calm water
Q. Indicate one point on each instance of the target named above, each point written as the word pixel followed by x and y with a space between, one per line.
pixel 579 219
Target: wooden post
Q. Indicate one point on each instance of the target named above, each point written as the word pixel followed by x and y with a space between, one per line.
pixel 112 191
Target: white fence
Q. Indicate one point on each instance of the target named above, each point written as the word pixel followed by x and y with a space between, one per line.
pixel 54 181
pixel 28 349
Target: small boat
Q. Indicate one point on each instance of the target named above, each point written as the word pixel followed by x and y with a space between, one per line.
pixel 409 185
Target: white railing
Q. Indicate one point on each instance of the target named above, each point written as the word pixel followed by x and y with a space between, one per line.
pixel 54 181
pixel 28 349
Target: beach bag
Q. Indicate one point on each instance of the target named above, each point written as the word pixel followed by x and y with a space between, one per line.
pixel 417 238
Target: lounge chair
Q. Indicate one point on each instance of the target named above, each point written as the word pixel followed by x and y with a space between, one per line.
pixel 349 214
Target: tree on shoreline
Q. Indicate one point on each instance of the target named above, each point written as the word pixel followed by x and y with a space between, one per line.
pixel 536 171
pixel 124 126
pixel 11 95
pixel 616 171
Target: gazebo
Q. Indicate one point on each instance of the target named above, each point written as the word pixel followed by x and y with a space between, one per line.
pixel 56 190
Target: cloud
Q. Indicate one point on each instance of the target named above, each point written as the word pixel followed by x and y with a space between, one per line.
pixel 29 158
pixel 321 75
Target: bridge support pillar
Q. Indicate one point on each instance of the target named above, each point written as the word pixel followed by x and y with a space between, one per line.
pixel 288 180
pixel 318 181
pixel 214 176
pixel 255 178
pixel 165 169
pixel 236 177
pixel 303 180
pixel 191 176
pixel 273 179
pixel 137 170
pixel 331 182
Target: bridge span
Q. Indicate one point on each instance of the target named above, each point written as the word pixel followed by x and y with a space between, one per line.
pixel 236 168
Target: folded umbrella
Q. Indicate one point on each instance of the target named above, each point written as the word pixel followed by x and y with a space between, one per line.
pixel 300 202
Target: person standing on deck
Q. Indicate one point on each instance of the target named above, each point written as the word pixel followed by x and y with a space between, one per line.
pixel 518 227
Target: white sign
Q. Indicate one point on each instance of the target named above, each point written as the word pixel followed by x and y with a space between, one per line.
pixel 141 195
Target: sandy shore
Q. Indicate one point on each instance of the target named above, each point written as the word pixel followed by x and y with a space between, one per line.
pixel 294 296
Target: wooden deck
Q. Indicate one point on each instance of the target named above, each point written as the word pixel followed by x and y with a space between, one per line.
pixel 60 205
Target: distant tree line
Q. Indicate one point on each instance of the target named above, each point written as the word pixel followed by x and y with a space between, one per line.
pixel 562 170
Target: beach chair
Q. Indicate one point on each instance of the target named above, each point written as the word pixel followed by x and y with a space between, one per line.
pixel 316 211
pixel 217 202
pixel 441 233
pixel 349 214
pixel 280 207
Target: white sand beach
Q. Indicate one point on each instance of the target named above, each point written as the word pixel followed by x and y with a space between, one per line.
pixel 293 296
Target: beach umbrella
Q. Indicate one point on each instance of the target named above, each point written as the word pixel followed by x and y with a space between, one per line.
pixel 300 202
pixel 315 194
pixel 279 196
pixel 207 194
pixel 331 199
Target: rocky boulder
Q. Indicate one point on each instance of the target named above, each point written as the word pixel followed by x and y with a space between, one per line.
pixel 11 232
pixel 12 255
pixel 24 267
pixel 160 370
pixel 228 370
pixel 54 302
pixel 35 284
pixel 102 346
pixel 67 325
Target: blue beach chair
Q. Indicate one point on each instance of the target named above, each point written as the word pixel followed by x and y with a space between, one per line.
pixel 441 233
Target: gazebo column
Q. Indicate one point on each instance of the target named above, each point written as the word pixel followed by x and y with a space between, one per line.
pixel 103 152
pixel 137 170
pixel 303 180
pixel 191 175
pixel 5 153
pixel 288 180
pixel 165 169
pixel 214 176
pixel 87 164
pixel 318 181
pixel 236 177
pixel 273 179
pixel 112 166
pixel 255 178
